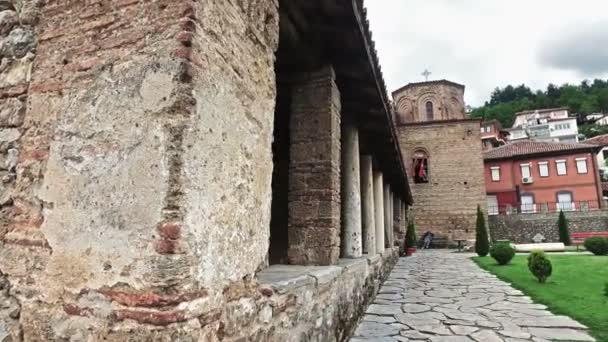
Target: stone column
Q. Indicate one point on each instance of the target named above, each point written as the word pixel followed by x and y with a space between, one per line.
pixel 352 245
pixel 314 170
pixel 379 210
pixel 387 215
pixel 368 227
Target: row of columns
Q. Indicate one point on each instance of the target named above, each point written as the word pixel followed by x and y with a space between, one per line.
pixel 368 203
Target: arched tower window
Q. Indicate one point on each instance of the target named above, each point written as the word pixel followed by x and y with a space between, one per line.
pixel 429 111
pixel 420 165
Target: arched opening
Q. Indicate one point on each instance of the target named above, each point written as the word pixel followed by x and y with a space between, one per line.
pixel 429 111
pixel 421 167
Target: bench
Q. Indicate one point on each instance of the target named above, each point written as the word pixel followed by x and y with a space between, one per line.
pixel 579 238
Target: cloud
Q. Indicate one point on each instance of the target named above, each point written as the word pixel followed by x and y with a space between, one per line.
pixel 490 43
pixel 583 49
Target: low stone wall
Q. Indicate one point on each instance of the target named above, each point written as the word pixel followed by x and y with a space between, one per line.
pixel 282 303
pixel 320 303
pixel 521 228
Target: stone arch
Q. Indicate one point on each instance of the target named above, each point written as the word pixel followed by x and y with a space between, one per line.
pixel 420 166
pixel 455 108
pixel 405 110
pixel 423 100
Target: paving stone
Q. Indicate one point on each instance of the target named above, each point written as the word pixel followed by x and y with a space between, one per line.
pixel 415 308
pixel 549 322
pixel 560 334
pixel 427 298
pixel 379 319
pixel 486 336
pixel 384 310
pixel 415 335
pixel 514 334
pixel 436 329
pixel 373 329
pixel 463 329
pixel 451 339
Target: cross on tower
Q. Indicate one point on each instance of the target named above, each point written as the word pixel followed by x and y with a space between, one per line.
pixel 426 74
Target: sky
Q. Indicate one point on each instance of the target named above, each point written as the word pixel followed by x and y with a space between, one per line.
pixel 485 44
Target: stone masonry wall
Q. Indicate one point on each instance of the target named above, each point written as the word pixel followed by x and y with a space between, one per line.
pixel 447 205
pixel 314 170
pixel 137 187
pixel 521 228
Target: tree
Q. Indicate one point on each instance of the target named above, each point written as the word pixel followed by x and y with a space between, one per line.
pixel 564 233
pixel 482 244
pixel 410 235
pixel 586 97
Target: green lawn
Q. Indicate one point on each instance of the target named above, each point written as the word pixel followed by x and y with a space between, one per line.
pixel 575 289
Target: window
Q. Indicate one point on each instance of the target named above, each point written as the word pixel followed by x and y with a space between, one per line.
pixel 495 173
pixel 561 167
pixel 420 167
pixel 525 171
pixel 527 204
pixel 429 111
pixel 543 169
pixel 492 204
pixel 564 200
pixel 581 165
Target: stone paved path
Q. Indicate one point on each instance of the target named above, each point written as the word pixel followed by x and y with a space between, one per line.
pixel 441 296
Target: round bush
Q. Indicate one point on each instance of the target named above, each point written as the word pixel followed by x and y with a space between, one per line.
pixel 539 265
pixel 502 253
pixel 597 245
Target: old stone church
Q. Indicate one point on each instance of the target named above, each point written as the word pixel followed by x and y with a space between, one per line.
pixel 443 155
pixel 180 170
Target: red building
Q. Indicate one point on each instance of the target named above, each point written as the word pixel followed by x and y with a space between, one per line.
pixel 492 135
pixel 533 176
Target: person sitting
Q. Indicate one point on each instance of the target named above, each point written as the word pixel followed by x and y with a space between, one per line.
pixel 427 238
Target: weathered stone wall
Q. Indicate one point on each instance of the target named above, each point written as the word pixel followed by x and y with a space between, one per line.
pixel 447 99
pixel 521 228
pixel 137 187
pixel 314 170
pixel 447 204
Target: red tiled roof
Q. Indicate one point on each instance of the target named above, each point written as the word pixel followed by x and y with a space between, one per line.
pixel 528 147
pixel 600 140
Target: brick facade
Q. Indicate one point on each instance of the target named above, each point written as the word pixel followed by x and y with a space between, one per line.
pixel 135 203
pixel 447 204
pixel 314 184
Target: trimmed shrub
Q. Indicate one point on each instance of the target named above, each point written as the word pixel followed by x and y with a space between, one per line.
pixel 539 265
pixel 564 233
pixel 482 244
pixel 502 253
pixel 597 245
pixel 410 235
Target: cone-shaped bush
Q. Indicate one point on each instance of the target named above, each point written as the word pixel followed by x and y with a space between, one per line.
pixel 564 233
pixel 482 244
pixel 410 235
pixel 539 265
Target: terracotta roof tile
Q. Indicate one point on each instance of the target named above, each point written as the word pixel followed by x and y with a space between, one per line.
pixel 527 147
pixel 600 140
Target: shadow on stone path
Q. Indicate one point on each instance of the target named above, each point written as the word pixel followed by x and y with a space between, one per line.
pixel 441 296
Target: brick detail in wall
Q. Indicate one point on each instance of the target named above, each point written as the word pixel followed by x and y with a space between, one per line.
pixel 446 205
pixel 521 228
pixel 314 170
